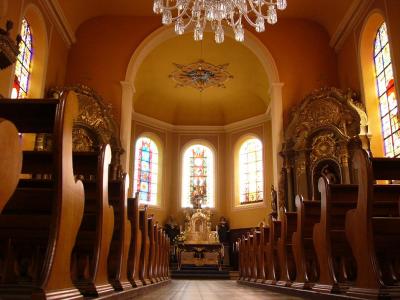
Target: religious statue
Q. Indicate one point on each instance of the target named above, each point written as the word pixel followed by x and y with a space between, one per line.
pixel 274 202
pixel 171 228
pixel 331 176
pixel 223 230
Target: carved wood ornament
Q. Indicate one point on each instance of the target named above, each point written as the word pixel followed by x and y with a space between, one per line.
pixel 324 130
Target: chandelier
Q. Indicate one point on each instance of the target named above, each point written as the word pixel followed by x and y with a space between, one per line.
pixel 217 12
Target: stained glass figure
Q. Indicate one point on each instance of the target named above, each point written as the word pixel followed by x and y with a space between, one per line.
pixel 251 179
pixel 146 171
pixel 386 92
pixel 23 65
pixel 198 176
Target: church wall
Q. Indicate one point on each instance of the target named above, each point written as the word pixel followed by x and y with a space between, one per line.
pixel 56 65
pixel 350 68
pixel 105 45
pixel 223 143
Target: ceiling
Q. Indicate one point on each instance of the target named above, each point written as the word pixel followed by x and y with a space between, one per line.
pixel 245 95
pixel 328 13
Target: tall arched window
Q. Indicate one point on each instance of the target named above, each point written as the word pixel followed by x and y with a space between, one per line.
pixel 386 93
pixel 198 176
pixel 146 170
pixel 23 65
pixel 251 179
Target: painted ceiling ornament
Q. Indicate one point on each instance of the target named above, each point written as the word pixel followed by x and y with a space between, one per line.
pixel 201 75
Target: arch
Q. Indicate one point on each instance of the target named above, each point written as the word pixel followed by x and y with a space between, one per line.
pixel 157 183
pixel 211 168
pixel 165 33
pixel 37 23
pixel 366 50
pixel 237 180
pixel 265 57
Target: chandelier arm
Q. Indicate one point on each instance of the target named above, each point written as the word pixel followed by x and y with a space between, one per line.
pixel 232 23
pixel 247 18
pixel 184 10
pixel 259 12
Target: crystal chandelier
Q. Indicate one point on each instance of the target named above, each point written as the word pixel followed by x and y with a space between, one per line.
pixel 218 12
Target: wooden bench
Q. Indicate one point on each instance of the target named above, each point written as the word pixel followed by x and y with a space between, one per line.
pixel 285 249
pixel 308 214
pixel 121 240
pixel 333 251
pixel 39 224
pixel 10 161
pixel 373 227
pixel 145 250
pixel 89 271
pixel 152 249
pixel 273 267
pixel 136 242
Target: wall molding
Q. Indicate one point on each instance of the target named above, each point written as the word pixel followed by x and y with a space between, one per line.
pixel 62 24
pixel 353 16
pixel 239 125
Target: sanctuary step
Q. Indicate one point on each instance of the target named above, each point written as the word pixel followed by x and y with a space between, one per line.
pixel 189 272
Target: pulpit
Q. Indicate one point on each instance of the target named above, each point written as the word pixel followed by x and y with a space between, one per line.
pixel 198 245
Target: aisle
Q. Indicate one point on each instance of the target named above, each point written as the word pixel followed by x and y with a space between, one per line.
pixel 212 290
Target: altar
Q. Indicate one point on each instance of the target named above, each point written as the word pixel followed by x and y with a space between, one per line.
pixel 198 245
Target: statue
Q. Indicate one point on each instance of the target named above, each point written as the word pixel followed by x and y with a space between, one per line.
pixel 171 228
pixel 331 176
pixel 223 230
pixel 274 202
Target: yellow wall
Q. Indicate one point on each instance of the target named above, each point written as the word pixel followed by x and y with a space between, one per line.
pixel 55 61
pixel 355 68
pixel 223 143
pixel 105 45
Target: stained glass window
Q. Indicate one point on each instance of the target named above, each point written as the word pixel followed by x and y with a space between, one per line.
pixel 198 176
pixel 23 64
pixel 386 93
pixel 251 179
pixel 146 171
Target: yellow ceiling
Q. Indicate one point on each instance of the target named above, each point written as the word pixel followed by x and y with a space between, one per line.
pixel 245 95
pixel 328 13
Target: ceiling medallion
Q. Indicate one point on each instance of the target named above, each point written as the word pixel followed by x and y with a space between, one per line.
pixel 201 75
pixel 218 13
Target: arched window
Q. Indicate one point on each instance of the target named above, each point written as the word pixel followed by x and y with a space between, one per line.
pixel 23 65
pixel 198 176
pixel 251 179
pixel 386 93
pixel 146 170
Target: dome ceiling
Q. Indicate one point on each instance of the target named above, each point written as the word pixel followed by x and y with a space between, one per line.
pixel 233 90
pixel 328 13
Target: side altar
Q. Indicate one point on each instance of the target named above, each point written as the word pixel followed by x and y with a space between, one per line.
pixel 198 245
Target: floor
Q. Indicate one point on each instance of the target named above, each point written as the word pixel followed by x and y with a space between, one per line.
pixel 212 290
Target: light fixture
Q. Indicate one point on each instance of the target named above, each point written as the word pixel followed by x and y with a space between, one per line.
pixel 231 12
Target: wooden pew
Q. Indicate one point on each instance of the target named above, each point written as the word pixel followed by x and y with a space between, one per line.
pixel 253 255
pixel 121 241
pixel 239 248
pixel 373 228
pixel 136 242
pixel 152 248
pixel 144 252
pixel 157 260
pixel 165 254
pixel 332 249
pixel 89 271
pixel 246 256
pixel 10 161
pixel 39 224
pixel 273 267
pixel 265 236
pixel 258 254
pixel 285 249
pixel 308 214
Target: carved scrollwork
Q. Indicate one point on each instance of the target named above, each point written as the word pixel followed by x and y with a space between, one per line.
pixel 321 129
pixel 323 146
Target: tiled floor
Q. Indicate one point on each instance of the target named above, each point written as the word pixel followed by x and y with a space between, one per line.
pixel 212 290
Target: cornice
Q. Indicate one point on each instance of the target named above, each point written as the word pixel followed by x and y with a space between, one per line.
pixel 243 124
pixel 61 22
pixel 353 16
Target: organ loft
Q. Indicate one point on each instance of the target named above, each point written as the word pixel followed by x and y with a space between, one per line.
pixel 190 149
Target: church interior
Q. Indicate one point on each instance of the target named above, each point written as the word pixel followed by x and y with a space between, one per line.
pixel 190 149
